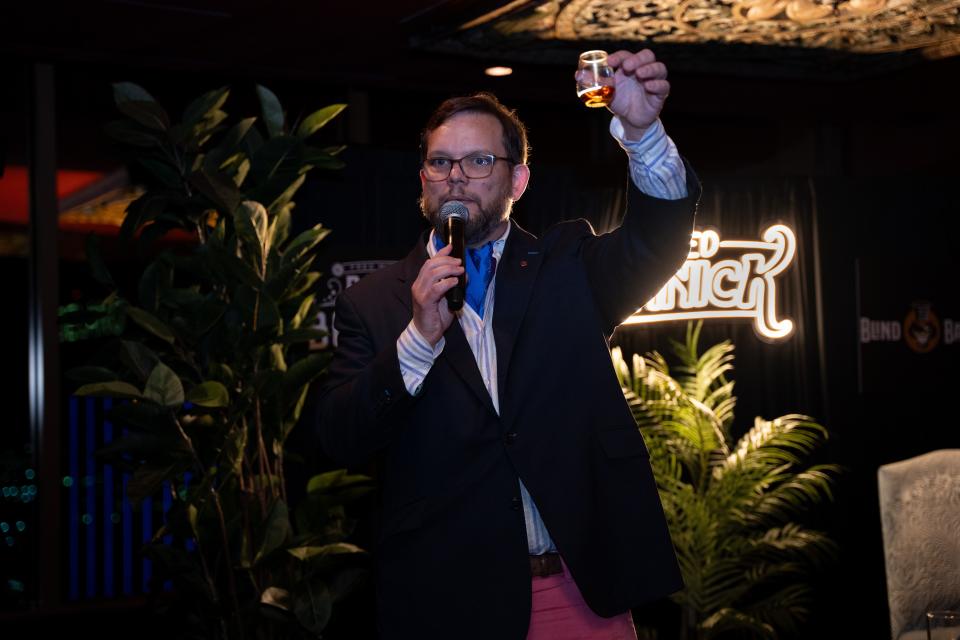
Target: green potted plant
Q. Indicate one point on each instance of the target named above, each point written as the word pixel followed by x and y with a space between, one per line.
pixel 732 506
pixel 211 359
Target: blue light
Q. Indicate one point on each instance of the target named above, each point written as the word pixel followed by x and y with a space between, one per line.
pixel 14 492
pixel 21 525
pixel 10 541
pixel 86 519
pixel 16 585
pixel 4 527
pixel 29 474
pixel 73 499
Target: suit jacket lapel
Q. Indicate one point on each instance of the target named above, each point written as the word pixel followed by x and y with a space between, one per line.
pixel 456 351
pixel 516 273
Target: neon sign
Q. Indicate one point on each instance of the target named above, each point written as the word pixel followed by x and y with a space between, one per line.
pixel 741 286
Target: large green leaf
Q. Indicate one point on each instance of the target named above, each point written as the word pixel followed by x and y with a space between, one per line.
pixel 301 285
pixel 249 301
pixel 321 159
pixel 221 192
pixel 281 225
pixel 205 106
pixel 163 171
pixel 210 394
pixel 295 336
pixel 140 211
pixel 130 92
pixel 276 597
pixel 339 481
pixel 164 387
pixel 251 222
pixel 235 448
pixel 114 389
pixel 304 242
pixel 228 146
pixel 272 111
pixel 313 605
pixel 275 165
pixel 317 551
pixel 303 372
pixel 148 114
pixel 303 313
pixel 284 198
pixel 227 267
pixel 312 123
pixel 276 531
pixel 151 324
pixel 138 358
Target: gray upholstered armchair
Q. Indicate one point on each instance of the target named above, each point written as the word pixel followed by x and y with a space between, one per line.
pixel 920 514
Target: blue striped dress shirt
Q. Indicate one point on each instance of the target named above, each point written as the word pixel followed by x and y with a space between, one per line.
pixel 657 170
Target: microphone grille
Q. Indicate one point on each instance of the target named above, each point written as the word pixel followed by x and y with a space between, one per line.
pixel 454 209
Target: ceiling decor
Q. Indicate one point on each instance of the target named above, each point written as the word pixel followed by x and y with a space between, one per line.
pixel 814 33
pixel 861 26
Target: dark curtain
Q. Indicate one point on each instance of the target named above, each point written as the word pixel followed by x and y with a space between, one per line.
pixel 772 377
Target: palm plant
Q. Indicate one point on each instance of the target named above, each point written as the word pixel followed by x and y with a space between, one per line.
pixel 210 357
pixel 732 507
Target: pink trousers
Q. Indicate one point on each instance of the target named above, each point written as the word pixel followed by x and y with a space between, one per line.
pixel 559 613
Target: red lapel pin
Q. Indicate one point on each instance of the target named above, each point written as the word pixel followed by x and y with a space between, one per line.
pixel 523 263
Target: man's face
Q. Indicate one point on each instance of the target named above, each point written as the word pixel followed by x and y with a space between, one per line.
pixel 488 199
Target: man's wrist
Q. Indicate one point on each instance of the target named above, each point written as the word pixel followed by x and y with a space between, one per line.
pixel 422 335
pixel 416 357
pixel 632 133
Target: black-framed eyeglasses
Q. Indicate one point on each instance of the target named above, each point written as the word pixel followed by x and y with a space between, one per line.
pixel 475 165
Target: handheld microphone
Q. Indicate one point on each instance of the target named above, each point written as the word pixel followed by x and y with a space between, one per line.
pixel 453 219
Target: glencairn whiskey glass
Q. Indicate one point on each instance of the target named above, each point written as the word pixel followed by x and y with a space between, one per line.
pixel 594 79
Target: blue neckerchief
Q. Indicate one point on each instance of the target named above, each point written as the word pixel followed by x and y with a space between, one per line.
pixel 480 265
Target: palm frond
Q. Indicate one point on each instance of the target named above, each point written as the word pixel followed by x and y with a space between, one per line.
pixel 785 439
pixel 784 609
pixel 731 507
pixel 729 619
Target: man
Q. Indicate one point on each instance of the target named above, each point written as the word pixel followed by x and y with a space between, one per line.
pixel 518 499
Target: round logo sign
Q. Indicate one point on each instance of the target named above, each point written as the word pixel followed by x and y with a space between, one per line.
pixel 921 328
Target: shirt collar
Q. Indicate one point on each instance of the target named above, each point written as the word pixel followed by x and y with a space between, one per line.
pixel 498 244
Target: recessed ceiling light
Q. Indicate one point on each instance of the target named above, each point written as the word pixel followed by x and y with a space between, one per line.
pixel 498 71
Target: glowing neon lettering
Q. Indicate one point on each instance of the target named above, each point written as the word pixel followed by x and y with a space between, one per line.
pixel 741 286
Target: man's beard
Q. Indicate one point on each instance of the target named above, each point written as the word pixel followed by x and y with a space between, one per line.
pixel 479 224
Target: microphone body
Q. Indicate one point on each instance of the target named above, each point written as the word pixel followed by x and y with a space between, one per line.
pixel 453 217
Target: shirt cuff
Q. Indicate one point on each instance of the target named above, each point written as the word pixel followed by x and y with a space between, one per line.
pixel 416 357
pixel 655 164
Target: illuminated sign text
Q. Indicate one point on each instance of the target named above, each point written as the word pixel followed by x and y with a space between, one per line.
pixel 741 284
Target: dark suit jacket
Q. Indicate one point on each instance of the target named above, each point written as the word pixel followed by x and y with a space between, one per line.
pixel 452 554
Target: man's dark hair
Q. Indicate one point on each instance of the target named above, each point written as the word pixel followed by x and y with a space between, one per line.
pixel 514 133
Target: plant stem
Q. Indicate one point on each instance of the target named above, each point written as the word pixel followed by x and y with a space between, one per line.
pixel 231 578
pixel 255 486
pixel 265 466
pixel 223 529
